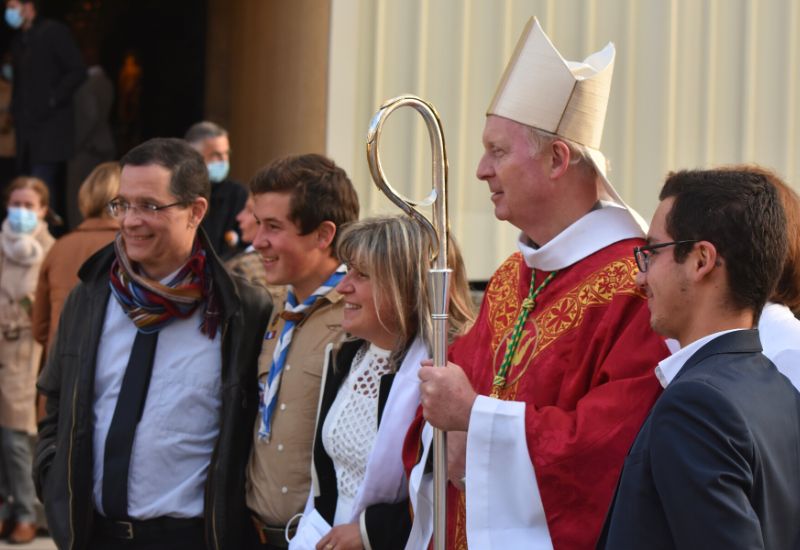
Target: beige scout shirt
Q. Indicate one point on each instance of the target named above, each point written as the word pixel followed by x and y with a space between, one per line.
pixel 279 471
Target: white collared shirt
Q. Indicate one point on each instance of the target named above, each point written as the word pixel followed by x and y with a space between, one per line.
pixel 176 435
pixel 668 368
pixel 592 232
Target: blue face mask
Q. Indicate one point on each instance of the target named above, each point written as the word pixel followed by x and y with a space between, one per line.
pixel 218 170
pixel 7 71
pixel 22 220
pixel 14 17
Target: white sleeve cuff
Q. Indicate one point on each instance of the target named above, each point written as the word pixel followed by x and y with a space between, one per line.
pixel 504 507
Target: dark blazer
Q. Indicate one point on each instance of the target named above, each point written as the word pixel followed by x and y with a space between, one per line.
pixel 388 525
pixel 717 462
pixel 47 70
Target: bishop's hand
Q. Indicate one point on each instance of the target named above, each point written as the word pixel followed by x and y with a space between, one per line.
pixel 446 395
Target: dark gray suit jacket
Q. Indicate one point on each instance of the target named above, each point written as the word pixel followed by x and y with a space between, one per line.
pixel 717 462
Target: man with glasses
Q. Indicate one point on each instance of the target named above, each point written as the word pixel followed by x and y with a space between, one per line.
pixel 558 370
pixel 717 463
pixel 152 377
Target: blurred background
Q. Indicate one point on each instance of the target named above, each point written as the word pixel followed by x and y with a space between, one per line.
pixel 697 83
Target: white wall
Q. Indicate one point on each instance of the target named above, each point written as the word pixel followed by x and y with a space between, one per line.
pixel 697 83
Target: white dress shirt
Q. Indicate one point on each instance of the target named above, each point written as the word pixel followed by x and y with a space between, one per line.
pixel 176 435
pixel 668 368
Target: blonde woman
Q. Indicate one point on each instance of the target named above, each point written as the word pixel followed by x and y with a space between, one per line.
pixel 24 242
pixel 370 388
pixel 59 272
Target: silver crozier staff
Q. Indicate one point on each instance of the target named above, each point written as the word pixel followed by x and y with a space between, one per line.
pixel 438 272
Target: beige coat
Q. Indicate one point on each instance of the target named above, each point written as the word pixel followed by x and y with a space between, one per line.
pixel 20 259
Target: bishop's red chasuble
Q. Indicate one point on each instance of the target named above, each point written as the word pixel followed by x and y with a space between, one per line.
pixel 584 368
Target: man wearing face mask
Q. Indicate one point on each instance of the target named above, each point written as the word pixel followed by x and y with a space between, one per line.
pixel 47 69
pixel 228 197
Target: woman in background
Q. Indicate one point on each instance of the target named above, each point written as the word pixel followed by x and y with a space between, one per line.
pixel 59 272
pixel 370 389
pixel 24 242
pixel 778 328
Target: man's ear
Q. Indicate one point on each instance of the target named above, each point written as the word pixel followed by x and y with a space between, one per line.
pixel 325 234
pixel 704 259
pixel 198 211
pixel 561 157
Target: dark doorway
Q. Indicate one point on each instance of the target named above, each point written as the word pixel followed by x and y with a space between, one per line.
pixel 153 50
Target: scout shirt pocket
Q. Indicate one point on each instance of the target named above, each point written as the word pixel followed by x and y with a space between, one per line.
pixel 302 372
pixel 307 347
pixel 301 378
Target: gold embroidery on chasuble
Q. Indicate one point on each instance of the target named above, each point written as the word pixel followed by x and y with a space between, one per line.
pixel 503 299
pixel 546 325
pixel 543 328
pixel 461 523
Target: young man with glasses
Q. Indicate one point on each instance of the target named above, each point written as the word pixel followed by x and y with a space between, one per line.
pixel 152 375
pixel 717 462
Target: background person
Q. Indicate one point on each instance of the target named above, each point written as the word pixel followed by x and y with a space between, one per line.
pixel 47 69
pixel 227 196
pixel 248 263
pixel 370 388
pixel 24 242
pixel 94 140
pixel 59 272
pixel 778 328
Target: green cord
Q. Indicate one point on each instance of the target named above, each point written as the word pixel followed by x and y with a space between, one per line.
pixel 528 304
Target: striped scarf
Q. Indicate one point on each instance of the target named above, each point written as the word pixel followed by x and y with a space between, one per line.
pixel 269 391
pixel 152 305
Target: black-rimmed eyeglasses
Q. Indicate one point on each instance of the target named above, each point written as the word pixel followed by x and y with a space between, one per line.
pixel 644 253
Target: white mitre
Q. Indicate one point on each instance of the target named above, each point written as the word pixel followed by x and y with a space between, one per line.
pixel 569 99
